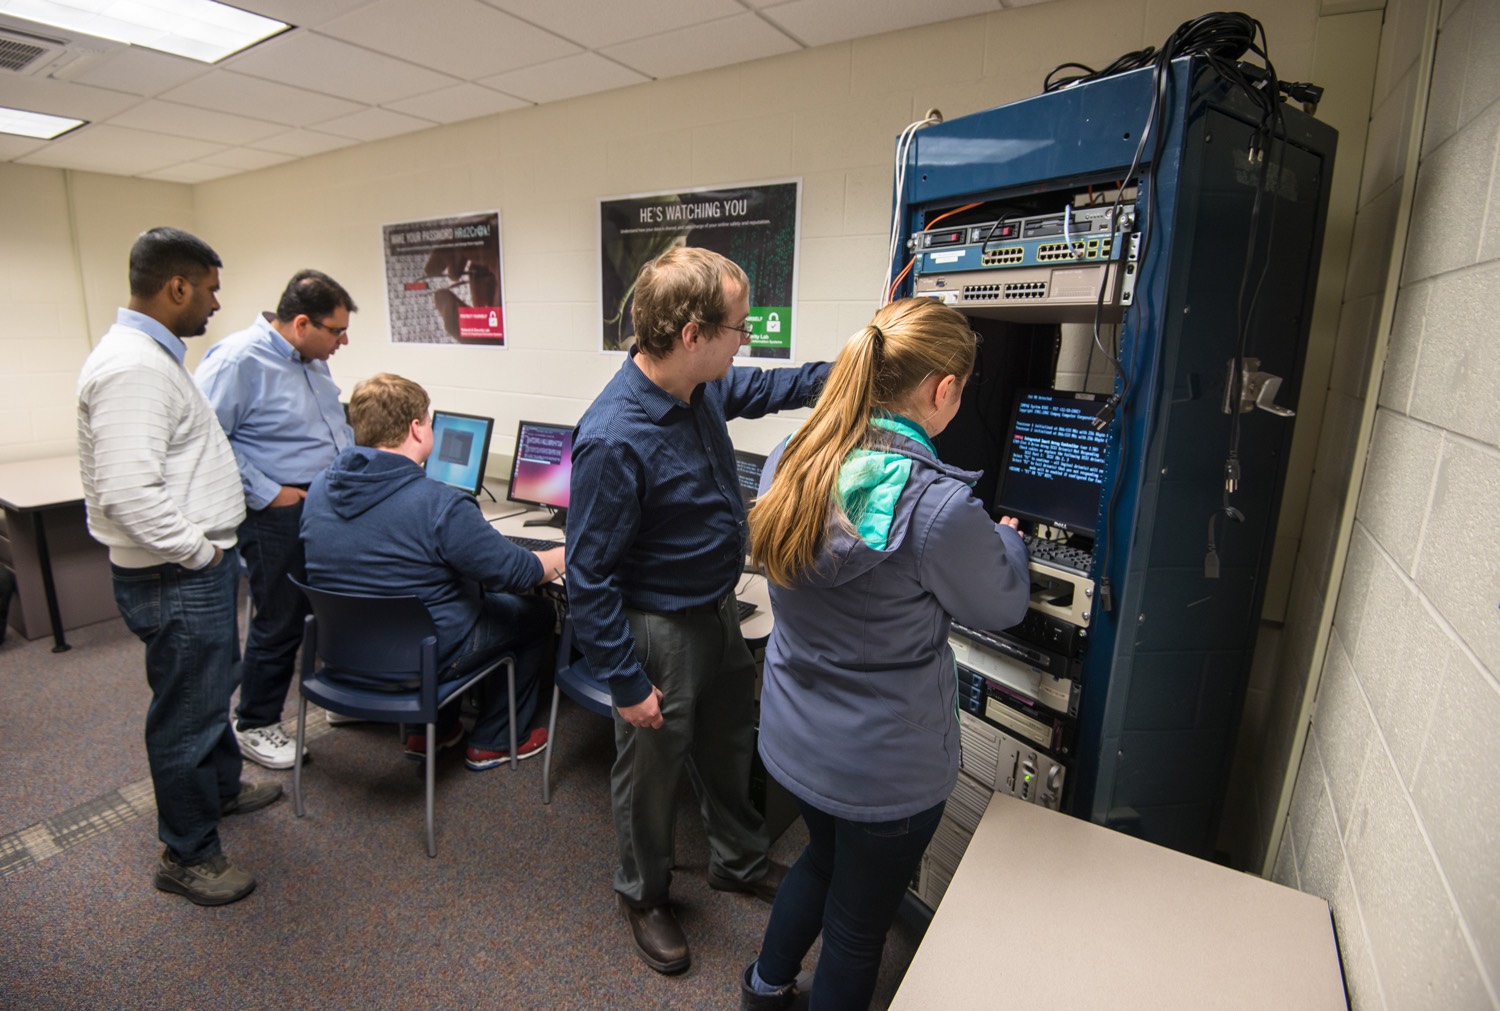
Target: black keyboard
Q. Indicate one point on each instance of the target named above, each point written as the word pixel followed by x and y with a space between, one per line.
pixel 747 608
pixel 1058 554
pixel 534 543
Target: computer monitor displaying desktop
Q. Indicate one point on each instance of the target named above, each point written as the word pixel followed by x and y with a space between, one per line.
pixel 543 468
pixel 460 447
pixel 748 467
pixel 1054 460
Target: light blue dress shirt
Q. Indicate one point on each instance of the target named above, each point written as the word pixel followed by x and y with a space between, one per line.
pixel 282 414
pixel 149 326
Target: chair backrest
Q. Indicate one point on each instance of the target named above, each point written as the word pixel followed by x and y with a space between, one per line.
pixel 575 679
pixel 371 640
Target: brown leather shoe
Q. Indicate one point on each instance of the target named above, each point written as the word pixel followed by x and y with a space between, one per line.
pixel 764 889
pixel 658 937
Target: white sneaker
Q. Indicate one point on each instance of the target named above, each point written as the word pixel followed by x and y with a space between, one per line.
pixel 268 746
pixel 339 719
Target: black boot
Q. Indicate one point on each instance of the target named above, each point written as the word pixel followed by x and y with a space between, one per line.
pixel 786 998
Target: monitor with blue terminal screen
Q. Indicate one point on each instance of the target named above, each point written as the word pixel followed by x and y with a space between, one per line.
pixel 460 448
pixel 1054 460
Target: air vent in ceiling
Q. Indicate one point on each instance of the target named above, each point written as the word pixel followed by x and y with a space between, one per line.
pixel 28 54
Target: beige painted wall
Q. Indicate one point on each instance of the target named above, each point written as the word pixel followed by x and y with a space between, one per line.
pixel 62 272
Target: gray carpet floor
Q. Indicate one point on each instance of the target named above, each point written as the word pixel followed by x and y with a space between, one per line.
pixel 349 911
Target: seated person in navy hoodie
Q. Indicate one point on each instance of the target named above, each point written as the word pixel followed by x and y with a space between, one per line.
pixel 374 524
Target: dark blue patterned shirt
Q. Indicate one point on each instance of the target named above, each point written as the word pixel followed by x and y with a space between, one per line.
pixel 655 518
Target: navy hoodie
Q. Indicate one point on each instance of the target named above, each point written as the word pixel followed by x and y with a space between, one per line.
pixel 374 523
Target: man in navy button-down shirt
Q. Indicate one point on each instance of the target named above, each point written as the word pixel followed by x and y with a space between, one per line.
pixel 656 543
pixel 277 402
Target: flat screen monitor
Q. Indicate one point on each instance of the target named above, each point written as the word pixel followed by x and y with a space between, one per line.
pixel 460 447
pixel 1054 460
pixel 748 467
pixel 543 466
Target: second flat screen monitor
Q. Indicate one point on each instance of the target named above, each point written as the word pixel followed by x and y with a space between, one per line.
pixel 543 467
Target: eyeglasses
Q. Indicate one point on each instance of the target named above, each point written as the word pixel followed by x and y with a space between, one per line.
pixel 737 329
pixel 339 332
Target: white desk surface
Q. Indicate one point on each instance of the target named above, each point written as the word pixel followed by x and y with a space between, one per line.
pixel 40 484
pixel 1047 910
pixel 513 524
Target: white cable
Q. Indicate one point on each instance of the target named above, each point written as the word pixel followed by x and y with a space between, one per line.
pixel 903 148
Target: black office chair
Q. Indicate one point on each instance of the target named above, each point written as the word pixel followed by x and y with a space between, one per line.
pixel 574 679
pixel 352 643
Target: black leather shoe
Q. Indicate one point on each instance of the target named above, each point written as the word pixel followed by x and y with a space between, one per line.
pixel 658 937
pixel 764 889
pixel 786 998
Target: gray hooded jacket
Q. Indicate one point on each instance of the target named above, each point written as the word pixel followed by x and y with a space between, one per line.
pixel 858 706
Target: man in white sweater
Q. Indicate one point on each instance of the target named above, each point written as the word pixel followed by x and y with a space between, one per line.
pixel 163 494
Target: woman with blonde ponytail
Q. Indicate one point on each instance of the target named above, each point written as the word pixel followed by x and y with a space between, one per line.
pixel 872 546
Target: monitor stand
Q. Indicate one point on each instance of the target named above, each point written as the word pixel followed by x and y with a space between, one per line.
pixel 555 518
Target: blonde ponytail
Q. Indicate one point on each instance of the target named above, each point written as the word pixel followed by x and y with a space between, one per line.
pixel 884 363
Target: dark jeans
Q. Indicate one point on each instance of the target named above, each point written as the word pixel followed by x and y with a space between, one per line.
pixel 187 621
pixel 847 884
pixel 508 623
pixel 707 678
pixel 272 548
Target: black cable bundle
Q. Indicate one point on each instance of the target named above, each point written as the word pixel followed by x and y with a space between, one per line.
pixel 1221 39
pixel 1222 36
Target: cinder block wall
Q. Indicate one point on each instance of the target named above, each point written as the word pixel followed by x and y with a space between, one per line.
pixel 1396 801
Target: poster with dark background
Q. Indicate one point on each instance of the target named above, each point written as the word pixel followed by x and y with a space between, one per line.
pixel 755 226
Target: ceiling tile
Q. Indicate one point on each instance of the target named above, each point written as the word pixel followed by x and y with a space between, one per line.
pixel 246 158
pixel 820 22
pixel 702 47
pixel 226 91
pixel 119 151
pixel 189 121
pixel 568 77
pixel 302 143
pixel 191 172
pixel 596 25
pixel 373 124
pixel 318 63
pixel 137 71
pixel 460 102
pixel 13 147
pixel 462 37
pixel 300 12
pixel 59 98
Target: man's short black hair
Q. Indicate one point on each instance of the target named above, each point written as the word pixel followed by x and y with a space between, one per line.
pixel 164 253
pixel 313 294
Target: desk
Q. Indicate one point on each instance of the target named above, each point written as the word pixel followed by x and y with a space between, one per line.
pixel 510 519
pixel 48 493
pixel 1046 910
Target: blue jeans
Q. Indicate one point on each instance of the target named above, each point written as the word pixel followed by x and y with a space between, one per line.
pixel 847 884
pixel 187 621
pixel 272 547
pixel 508 622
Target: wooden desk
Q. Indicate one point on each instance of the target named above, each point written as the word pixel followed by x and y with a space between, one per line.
pixel 43 499
pixel 1047 910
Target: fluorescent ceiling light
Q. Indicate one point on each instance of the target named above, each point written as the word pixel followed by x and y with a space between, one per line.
pixel 35 124
pixel 198 29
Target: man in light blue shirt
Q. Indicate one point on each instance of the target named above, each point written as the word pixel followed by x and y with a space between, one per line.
pixel 270 386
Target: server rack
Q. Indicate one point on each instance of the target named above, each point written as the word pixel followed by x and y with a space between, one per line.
pixel 1164 644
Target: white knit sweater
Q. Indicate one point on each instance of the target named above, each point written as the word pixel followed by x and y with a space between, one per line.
pixel 159 478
